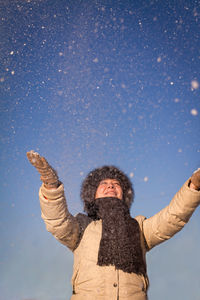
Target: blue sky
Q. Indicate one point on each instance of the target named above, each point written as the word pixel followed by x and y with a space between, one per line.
pixel 88 83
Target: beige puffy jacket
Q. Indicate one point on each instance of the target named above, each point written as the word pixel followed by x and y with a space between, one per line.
pixel 93 282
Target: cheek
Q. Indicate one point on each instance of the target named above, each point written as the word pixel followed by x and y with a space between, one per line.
pixel 99 191
pixel 120 192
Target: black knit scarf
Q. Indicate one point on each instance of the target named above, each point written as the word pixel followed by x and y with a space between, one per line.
pixel 120 242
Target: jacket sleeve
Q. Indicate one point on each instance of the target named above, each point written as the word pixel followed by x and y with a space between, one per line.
pixel 172 218
pixel 58 220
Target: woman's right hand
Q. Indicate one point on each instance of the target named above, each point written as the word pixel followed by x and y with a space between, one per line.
pixel 47 174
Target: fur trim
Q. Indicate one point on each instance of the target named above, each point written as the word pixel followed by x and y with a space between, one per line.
pixel 91 182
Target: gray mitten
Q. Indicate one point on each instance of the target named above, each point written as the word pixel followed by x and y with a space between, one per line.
pixel 48 174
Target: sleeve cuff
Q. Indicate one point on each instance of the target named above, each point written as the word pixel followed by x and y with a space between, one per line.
pixel 52 194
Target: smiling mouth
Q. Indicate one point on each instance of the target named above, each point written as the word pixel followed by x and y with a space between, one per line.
pixel 111 192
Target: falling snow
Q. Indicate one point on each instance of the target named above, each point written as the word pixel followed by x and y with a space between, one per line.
pixel 194 112
pixel 194 85
pixel 159 59
pixel 101 82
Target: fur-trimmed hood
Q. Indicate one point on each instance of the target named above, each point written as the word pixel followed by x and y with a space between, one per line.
pixel 92 180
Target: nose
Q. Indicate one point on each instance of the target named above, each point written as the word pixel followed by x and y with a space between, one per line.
pixel 111 185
